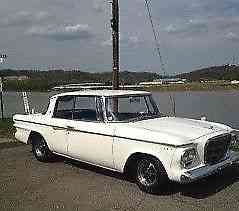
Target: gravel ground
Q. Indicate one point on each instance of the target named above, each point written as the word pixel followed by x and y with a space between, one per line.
pixel 6 140
pixel 26 184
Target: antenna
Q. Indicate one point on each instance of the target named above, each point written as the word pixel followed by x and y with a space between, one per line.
pixel 156 35
pixel 173 103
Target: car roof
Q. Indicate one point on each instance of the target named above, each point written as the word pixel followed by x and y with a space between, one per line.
pixel 105 93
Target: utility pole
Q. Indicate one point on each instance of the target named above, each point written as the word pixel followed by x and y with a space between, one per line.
pixel 115 45
pixel 115 42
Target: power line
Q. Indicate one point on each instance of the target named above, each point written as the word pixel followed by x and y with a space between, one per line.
pixel 156 36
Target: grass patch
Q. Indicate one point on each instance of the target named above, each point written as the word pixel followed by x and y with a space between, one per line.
pixel 6 128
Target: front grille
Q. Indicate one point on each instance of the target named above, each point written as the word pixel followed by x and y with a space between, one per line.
pixel 216 149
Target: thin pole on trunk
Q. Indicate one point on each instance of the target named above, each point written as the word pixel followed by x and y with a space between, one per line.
pixel 1 97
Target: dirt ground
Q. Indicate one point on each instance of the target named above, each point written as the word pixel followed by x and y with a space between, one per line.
pixel 26 184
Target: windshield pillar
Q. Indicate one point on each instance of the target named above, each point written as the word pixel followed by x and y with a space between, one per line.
pixel 104 106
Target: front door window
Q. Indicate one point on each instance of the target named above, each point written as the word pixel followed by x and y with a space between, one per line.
pixel 87 109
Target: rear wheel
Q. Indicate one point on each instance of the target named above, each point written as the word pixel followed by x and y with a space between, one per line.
pixel 41 150
pixel 150 174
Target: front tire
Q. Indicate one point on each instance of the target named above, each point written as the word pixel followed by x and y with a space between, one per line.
pixel 150 174
pixel 41 150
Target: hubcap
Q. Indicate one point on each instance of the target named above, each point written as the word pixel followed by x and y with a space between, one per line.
pixel 147 173
pixel 40 149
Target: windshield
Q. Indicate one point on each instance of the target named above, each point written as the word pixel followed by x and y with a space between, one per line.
pixel 131 108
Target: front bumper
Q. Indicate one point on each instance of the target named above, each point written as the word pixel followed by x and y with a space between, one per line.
pixel 207 170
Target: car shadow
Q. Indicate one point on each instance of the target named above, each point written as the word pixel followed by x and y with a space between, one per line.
pixel 206 187
pixel 95 169
pixel 199 190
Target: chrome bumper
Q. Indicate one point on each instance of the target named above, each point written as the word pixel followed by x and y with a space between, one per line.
pixel 207 170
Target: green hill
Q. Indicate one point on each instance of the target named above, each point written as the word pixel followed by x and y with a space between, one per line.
pixel 44 80
pixel 225 72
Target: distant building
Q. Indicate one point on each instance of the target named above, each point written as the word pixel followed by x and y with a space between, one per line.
pixel 16 78
pixel 235 82
pixel 213 81
pixel 173 81
pixel 160 82
pixel 152 83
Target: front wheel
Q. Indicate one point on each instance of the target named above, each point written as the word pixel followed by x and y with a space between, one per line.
pixel 150 175
pixel 41 150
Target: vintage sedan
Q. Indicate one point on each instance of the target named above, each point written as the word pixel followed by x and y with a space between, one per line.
pixel 124 131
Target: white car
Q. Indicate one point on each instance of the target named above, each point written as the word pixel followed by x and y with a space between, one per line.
pixel 124 131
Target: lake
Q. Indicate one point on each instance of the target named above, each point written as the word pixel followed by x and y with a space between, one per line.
pixel 219 106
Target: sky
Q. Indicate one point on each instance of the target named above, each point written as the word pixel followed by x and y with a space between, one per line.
pixel 76 34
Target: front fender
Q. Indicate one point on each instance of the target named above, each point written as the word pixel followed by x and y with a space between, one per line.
pixel 124 148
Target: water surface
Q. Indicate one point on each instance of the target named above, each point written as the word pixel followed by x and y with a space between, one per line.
pixel 219 106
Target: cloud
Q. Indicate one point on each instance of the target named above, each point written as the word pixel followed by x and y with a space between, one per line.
pixel 130 41
pixel 62 33
pixel 232 36
pixel 192 27
pixel 134 40
pixel 98 5
pixel 23 18
pixel 226 23
pixel 221 8
pixel 107 43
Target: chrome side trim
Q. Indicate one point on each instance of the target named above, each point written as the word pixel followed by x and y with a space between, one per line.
pixel 113 136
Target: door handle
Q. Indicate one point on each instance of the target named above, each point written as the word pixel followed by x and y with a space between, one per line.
pixel 58 128
pixel 70 128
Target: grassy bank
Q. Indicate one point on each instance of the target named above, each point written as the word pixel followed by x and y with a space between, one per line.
pixel 6 128
pixel 194 87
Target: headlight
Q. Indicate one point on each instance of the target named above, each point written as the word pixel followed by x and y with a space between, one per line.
pixel 189 157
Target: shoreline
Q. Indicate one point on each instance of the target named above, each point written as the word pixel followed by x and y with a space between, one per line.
pixel 194 86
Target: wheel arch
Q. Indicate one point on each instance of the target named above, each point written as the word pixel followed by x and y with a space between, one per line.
pixel 134 157
pixel 34 134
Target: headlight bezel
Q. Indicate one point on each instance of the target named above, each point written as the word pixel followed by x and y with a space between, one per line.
pixel 189 158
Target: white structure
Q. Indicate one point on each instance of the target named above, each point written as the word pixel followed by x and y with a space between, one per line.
pixel 124 131
pixel 160 82
pixel 173 81
pixel 2 57
pixel 97 86
pixel 152 83
pixel 235 82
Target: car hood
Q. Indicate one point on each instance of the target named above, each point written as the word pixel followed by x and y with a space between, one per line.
pixel 173 130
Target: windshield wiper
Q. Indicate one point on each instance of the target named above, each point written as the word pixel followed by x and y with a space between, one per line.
pixel 144 117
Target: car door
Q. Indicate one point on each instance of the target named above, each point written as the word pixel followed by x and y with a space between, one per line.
pixel 62 115
pixel 89 138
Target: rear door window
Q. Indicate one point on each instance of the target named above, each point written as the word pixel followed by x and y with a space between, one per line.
pixel 64 107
